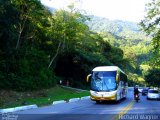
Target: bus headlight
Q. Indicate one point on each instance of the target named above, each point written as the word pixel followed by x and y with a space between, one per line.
pixel 112 93
pixel 93 93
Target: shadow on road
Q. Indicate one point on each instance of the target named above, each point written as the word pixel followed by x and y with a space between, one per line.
pixel 110 102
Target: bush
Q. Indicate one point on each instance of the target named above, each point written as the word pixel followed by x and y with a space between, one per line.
pixel 153 77
pixel 28 71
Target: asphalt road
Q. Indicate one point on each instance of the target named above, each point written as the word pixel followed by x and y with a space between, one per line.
pixel 88 110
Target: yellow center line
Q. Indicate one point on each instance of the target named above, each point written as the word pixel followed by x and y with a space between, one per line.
pixel 124 111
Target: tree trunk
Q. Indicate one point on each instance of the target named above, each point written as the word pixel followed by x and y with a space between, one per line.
pixel 54 57
pixel 21 27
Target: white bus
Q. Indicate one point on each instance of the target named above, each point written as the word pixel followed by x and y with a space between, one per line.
pixel 107 83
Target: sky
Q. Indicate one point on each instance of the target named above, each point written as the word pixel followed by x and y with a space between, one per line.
pixel 128 10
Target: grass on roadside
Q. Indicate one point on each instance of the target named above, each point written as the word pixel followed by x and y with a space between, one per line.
pixel 41 98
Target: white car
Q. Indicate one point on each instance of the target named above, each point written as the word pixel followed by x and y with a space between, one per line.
pixel 153 94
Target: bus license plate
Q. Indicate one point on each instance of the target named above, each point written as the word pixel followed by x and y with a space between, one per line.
pixel 102 98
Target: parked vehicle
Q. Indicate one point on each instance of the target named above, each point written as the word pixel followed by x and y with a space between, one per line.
pixel 153 94
pixel 144 91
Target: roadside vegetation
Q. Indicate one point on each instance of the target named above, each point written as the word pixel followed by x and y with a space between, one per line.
pixel 150 25
pixel 41 97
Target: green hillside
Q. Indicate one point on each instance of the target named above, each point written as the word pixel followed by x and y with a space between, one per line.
pixel 123 34
pixel 38 48
pixel 115 27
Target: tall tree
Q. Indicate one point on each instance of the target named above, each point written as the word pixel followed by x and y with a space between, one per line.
pixel 68 29
pixel 151 25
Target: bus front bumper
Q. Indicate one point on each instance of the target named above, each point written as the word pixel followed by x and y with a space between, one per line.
pixel 94 98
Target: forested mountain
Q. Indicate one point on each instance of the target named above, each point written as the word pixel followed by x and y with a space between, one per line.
pixel 123 34
pixel 115 27
pixel 38 48
pixel 118 28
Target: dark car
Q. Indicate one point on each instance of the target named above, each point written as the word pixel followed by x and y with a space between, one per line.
pixel 144 91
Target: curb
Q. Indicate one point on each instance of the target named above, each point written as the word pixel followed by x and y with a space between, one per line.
pixel 74 99
pixel 58 102
pixel 21 108
pixel 26 107
pixel 7 110
pixel 84 98
pixel 18 108
pixel 70 100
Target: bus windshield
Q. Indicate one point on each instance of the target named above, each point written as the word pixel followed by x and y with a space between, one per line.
pixel 103 81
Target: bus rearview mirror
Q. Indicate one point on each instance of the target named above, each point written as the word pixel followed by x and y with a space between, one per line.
pixel 88 78
pixel 117 78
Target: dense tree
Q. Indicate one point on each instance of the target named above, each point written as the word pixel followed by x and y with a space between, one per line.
pixel 68 30
pixel 152 78
pixel 37 46
pixel 151 26
pixel 23 63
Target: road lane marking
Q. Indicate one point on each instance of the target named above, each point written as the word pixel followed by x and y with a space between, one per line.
pixel 124 110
